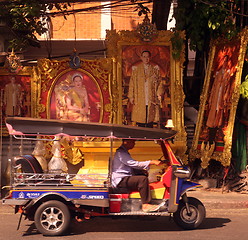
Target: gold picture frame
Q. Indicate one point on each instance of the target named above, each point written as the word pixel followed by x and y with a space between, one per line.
pixel 218 101
pixel 54 81
pixel 125 48
pixel 22 90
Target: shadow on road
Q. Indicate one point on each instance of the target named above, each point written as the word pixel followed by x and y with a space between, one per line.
pixel 210 223
pixel 133 224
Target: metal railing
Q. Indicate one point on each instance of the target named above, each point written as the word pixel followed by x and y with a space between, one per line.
pixel 59 179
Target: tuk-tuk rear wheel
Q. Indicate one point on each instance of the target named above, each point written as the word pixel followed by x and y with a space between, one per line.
pixel 189 221
pixel 52 218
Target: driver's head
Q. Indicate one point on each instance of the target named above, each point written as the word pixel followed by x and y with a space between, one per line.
pixel 128 143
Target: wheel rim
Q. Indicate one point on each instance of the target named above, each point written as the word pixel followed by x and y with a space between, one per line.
pixel 52 218
pixel 189 218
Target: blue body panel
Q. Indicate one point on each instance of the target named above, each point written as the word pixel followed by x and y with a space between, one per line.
pixel 68 193
pixel 188 185
pixel 183 186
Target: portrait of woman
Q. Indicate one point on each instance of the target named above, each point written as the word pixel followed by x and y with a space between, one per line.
pixel 76 97
pixel 77 102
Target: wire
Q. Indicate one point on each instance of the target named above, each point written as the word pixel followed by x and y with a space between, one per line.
pixel 75 30
pixel 98 7
pixel 67 55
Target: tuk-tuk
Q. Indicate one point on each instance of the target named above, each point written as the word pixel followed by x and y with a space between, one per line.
pixel 52 199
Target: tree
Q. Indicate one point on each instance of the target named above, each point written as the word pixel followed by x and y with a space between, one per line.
pixel 27 18
pixel 160 13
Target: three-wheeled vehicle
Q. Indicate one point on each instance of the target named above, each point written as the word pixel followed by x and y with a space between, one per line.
pixel 51 200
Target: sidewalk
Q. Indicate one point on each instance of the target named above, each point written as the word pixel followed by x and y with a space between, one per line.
pixel 213 198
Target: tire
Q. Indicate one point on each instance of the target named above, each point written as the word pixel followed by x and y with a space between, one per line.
pixel 192 221
pixel 52 218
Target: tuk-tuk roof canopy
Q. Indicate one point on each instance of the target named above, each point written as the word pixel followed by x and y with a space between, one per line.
pixel 52 127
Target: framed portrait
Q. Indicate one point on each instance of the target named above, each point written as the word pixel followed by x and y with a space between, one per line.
pixel 148 82
pixel 15 93
pixel 81 94
pixel 75 96
pixel 158 62
pixel 219 99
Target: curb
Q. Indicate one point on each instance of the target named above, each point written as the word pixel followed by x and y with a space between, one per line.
pixel 215 199
pixel 225 205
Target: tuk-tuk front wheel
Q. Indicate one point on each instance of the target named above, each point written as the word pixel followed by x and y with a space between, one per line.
pixel 193 218
pixel 52 218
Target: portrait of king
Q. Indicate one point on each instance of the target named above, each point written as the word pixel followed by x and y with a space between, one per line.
pixel 146 85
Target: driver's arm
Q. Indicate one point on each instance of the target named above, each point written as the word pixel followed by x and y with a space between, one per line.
pixel 126 159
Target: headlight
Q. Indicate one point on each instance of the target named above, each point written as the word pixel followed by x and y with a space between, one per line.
pixel 182 173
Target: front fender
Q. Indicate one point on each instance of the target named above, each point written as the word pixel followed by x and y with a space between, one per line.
pixel 188 185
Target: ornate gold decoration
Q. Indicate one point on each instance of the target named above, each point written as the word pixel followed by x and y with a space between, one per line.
pixel 107 107
pixel 147 30
pixel 206 153
pixel 48 71
pixel 115 93
pixel 75 61
pixel 13 63
pixel 70 152
pixel 179 96
pixel 115 42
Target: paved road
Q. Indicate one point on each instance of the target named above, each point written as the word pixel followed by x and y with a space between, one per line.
pixel 226 224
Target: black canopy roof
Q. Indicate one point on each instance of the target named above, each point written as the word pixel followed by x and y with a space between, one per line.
pixel 35 126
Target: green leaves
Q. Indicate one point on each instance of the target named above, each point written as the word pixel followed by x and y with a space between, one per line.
pixel 26 19
pixel 142 9
pixel 203 20
pixel 244 88
pixel 177 45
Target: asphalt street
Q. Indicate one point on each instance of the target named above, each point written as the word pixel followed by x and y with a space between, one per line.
pixel 226 218
pixel 226 224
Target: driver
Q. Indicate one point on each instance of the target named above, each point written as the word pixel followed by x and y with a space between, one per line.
pixel 123 174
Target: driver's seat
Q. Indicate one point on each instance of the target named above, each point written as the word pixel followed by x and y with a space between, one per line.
pixel 119 190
